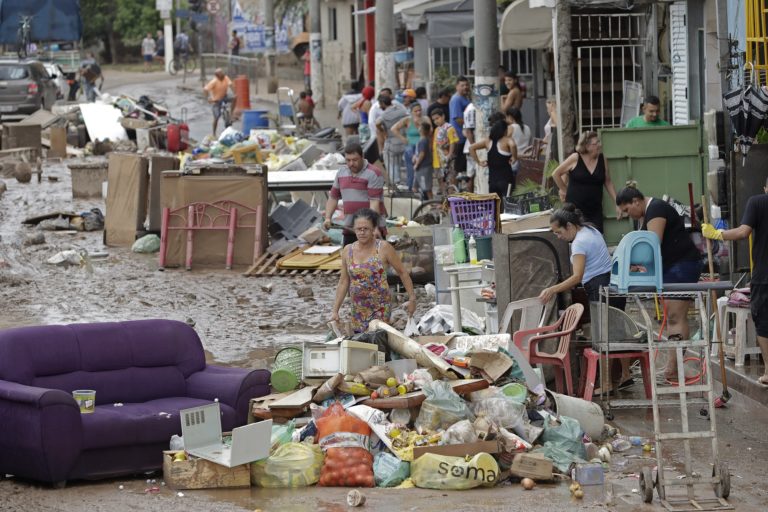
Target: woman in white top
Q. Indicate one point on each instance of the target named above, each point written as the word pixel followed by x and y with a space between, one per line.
pixel 590 261
pixel 518 130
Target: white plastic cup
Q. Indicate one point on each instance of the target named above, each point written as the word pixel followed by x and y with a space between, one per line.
pixel 86 400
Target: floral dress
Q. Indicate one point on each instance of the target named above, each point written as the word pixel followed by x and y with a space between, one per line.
pixel 368 290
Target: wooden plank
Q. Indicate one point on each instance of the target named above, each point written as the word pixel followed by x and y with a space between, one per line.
pixel 300 398
pixel 252 269
pixel 417 397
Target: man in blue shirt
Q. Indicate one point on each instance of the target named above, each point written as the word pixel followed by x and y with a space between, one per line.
pixel 458 103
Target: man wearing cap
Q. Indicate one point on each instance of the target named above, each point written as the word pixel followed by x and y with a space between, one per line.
pixel 409 96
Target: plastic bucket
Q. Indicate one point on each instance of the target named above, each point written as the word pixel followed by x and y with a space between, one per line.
pixel 515 391
pixel 86 400
pixel 484 247
pixel 254 119
pixel 588 414
pixel 286 372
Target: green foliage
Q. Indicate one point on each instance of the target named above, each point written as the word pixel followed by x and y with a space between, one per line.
pixel 762 136
pixel 130 20
pixel 443 78
pixel 134 18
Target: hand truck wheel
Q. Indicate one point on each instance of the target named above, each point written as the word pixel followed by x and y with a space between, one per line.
pixel 646 484
pixel 723 488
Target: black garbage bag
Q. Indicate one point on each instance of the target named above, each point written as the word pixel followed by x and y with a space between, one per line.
pixel 93 220
pixel 378 338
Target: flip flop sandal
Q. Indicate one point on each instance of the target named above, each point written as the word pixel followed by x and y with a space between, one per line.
pixel 627 383
pixel 763 381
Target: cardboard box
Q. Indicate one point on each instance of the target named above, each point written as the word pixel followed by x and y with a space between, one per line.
pixel 539 220
pixel 196 473
pixel 530 465
pixel 209 247
pixel 128 187
pixel 459 450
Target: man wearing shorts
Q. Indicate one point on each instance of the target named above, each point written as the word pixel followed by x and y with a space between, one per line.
pixel 218 91
pixel 148 49
pixel 754 222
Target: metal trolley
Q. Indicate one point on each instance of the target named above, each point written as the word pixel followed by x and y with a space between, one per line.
pixel 700 393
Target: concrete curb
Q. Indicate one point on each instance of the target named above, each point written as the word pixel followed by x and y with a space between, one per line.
pixel 737 381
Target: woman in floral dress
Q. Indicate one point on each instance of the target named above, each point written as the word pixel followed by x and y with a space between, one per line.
pixel 364 275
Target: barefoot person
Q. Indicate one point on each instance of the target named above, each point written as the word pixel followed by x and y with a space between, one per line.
pixel 364 275
pixel 681 260
pixel 754 222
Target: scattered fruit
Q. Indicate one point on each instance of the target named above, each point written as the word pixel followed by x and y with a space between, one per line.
pixel 391 382
pixel 578 494
pixel 574 487
pixel 527 484
pixel 179 457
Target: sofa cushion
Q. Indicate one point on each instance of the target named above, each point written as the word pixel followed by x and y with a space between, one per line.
pixel 142 423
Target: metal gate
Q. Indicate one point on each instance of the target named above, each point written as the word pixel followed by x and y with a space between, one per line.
pixel 602 71
pixel 609 51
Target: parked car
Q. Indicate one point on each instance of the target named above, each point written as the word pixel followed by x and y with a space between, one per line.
pixel 25 87
pixel 59 78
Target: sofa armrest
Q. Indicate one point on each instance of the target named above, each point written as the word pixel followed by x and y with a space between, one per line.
pixel 42 432
pixel 232 386
pixel 34 396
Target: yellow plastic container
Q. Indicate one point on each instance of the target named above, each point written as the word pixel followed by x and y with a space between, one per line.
pixel 86 399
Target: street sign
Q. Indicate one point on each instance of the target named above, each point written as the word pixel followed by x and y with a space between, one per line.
pixel 213 6
pixel 163 5
pixel 198 17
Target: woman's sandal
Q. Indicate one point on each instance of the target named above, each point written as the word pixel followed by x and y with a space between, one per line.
pixel 763 381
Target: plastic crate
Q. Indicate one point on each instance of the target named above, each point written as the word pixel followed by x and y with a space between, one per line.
pixel 475 218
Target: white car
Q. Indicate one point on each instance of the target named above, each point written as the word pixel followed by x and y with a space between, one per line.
pixel 57 75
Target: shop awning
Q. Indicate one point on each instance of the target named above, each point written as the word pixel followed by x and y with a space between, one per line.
pixel 525 27
pixel 446 24
pixel 412 11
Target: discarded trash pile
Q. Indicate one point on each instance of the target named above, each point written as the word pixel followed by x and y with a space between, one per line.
pixel 266 147
pixel 382 409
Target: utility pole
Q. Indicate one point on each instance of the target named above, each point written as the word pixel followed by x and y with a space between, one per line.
pixel 385 44
pixel 269 41
pixel 566 108
pixel 178 19
pixel 164 6
pixel 486 90
pixel 316 52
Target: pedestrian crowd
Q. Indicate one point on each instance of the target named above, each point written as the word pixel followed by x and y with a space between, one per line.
pixel 430 148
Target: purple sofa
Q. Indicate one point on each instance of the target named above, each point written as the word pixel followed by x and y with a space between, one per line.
pixel 153 367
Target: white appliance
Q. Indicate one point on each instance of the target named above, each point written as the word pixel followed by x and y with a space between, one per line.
pixel 201 429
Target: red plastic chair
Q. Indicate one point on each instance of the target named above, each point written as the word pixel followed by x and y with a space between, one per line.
pixel 563 330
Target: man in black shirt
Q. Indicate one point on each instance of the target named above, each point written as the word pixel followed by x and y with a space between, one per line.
pixel 442 103
pixel 754 222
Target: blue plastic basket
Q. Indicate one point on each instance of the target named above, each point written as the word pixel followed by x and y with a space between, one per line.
pixel 475 218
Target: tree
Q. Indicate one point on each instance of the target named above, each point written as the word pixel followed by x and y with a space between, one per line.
pixel 118 21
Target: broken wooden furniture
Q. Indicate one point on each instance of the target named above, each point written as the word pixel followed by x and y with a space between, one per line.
pixel 224 216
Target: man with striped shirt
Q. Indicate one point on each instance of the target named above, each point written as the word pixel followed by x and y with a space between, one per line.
pixel 359 185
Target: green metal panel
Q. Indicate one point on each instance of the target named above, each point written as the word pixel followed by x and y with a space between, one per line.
pixel 662 160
